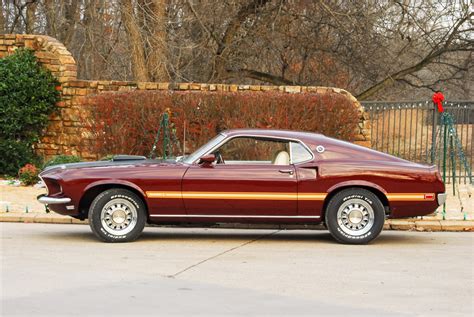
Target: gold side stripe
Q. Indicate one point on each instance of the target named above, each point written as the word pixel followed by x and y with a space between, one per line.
pixel 274 196
pixel 169 194
pixel 411 197
pixel 306 196
pixel 235 195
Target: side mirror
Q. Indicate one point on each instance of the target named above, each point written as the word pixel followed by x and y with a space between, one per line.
pixel 207 159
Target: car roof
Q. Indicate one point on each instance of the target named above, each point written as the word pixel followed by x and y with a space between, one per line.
pixel 299 135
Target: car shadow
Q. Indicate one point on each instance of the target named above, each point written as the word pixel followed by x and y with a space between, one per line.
pixel 319 237
pixel 202 234
pixel 277 236
pixel 239 234
pixel 312 236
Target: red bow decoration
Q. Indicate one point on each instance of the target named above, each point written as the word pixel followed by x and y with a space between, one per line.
pixel 438 99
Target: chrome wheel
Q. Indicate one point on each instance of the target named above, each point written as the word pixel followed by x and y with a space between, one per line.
pixel 355 217
pixel 119 216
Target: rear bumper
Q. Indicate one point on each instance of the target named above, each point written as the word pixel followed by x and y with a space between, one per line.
pixel 52 200
pixel 441 198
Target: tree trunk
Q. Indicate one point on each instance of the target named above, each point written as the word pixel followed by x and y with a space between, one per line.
pixel 30 17
pixel 135 41
pixel 3 27
pixel 157 57
pixel 50 18
pixel 223 47
pixel 71 15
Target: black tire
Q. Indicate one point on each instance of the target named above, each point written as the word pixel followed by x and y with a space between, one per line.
pixel 344 225
pixel 113 205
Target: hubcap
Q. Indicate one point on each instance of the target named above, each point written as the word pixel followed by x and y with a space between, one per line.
pixel 119 216
pixel 355 217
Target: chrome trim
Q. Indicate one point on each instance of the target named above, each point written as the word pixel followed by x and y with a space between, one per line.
pixel 53 201
pixel 47 189
pixel 232 216
pixel 442 198
pixel 228 138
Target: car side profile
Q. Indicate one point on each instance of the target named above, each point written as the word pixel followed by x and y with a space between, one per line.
pixel 248 176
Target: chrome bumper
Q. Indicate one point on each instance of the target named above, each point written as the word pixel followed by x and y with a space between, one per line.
pixel 442 198
pixel 53 201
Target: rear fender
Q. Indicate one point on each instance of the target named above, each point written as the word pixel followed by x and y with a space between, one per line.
pixel 360 183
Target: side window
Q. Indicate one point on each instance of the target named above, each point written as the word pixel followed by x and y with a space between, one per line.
pixel 299 153
pixel 248 150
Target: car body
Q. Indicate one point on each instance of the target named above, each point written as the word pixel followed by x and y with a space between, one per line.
pixel 295 186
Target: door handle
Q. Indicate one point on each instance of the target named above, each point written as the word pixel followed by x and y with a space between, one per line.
pixel 288 171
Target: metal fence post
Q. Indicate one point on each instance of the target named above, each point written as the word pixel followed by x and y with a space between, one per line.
pixel 433 133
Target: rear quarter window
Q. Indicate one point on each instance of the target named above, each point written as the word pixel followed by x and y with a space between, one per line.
pixel 299 153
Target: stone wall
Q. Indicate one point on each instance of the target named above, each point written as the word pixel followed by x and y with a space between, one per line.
pixel 65 133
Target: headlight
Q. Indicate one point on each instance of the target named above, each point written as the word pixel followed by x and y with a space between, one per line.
pixel 52 186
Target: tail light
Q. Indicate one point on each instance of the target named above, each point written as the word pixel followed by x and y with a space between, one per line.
pixel 429 196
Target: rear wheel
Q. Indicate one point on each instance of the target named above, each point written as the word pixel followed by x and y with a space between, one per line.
pixel 355 216
pixel 117 215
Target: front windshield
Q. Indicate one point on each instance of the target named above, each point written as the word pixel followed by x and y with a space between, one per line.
pixel 203 149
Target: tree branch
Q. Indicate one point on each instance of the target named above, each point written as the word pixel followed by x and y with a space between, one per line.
pixel 445 47
pixel 261 76
pixel 231 31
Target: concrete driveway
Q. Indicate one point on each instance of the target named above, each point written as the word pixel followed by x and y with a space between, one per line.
pixel 62 270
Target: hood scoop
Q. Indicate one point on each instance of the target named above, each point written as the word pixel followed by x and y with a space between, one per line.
pixel 120 158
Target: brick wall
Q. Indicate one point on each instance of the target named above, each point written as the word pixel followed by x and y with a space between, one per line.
pixel 65 132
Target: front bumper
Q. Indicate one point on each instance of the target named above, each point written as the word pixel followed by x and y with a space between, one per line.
pixel 442 198
pixel 52 200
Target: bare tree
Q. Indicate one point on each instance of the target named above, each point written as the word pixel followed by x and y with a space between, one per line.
pixel 2 17
pixel 30 17
pixel 154 19
pixel 135 41
pixel 376 49
pixel 440 42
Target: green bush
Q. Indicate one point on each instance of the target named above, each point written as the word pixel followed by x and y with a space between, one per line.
pixel 62 159
pixel 28 96
pixel 15 154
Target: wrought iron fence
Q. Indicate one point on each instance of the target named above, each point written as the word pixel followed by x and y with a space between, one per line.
pixel 410 130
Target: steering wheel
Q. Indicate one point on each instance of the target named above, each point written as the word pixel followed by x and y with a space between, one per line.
pixel 219 158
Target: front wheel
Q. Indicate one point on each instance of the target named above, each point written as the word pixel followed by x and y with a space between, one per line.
pixel 355 216
pixel 117 215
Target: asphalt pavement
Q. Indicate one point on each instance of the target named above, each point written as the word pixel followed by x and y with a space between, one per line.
pixel 53 269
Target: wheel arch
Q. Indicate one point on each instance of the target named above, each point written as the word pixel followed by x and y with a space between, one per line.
pixel 374 188
pixel 94 189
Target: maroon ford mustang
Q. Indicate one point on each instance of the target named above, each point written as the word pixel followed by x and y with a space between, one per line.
pixel 248 176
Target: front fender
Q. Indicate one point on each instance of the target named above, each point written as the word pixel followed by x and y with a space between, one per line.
pixel 114 182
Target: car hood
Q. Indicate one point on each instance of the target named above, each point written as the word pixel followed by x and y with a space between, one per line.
pixel 116 161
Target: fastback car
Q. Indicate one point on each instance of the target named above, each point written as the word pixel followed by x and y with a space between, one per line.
pixel 248 176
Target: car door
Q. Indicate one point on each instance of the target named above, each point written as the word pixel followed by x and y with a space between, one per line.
pixel 252 177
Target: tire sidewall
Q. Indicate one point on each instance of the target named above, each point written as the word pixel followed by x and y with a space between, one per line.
pixel 354 193
pixel 95 213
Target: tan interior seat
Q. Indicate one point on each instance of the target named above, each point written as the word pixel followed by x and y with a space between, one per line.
pixel 281 158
